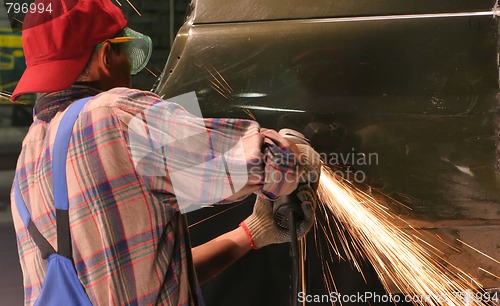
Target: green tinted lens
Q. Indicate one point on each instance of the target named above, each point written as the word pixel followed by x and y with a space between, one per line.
pixel 138 50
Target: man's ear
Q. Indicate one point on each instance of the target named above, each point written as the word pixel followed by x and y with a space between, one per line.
pixel 105 58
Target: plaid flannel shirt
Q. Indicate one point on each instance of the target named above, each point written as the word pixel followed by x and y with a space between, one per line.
pixel 130 241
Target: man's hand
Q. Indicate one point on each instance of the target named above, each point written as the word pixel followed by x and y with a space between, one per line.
pixel 261 228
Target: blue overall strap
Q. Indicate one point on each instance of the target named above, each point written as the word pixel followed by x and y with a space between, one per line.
pixel 60 151
pixel 43 245
pixel 59 155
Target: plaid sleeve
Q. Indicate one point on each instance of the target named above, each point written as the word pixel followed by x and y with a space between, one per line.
pixel 203 161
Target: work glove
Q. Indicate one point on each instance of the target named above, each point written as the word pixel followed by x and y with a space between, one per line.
pixel 309 159
pixel 311 166
pixel 261 228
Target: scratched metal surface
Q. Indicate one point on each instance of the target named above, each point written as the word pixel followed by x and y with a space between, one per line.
pixel 418 94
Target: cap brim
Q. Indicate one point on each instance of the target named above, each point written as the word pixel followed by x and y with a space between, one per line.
pixel 51 76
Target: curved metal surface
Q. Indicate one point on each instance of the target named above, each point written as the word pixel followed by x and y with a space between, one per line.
pixel 218 11
pixel 410 104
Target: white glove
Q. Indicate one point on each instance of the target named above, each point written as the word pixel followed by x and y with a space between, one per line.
pixel 262 229
pixel 311 163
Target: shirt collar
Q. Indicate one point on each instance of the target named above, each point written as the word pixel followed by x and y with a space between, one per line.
pixel 48 104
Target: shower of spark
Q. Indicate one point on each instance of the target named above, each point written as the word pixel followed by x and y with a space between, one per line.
pixel 219 83
pixel 17 20
pixel 485 255
pixel 149 70
pixel 159 71
pixel 488 272
pixel 249 114
pixel 5 95
pixel 368 230
pixel 130 3
pixel 222 87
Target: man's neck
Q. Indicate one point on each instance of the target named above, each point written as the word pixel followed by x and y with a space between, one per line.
pixel 48 104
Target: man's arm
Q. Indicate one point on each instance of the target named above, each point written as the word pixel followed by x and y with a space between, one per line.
pixel 256 231
pixel 177 153
pixel 214 256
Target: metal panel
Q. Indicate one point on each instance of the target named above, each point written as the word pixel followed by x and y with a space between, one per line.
pixel 213 11
pixel 417 93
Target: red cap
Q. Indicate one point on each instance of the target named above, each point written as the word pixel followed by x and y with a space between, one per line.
pixel 58 45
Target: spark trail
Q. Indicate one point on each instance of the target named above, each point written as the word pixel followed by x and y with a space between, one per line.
pixel 368 230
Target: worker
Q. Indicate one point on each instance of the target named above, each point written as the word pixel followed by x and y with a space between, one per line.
pixel 130 243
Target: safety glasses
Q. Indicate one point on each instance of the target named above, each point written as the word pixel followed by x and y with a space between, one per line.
pixel 138 48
